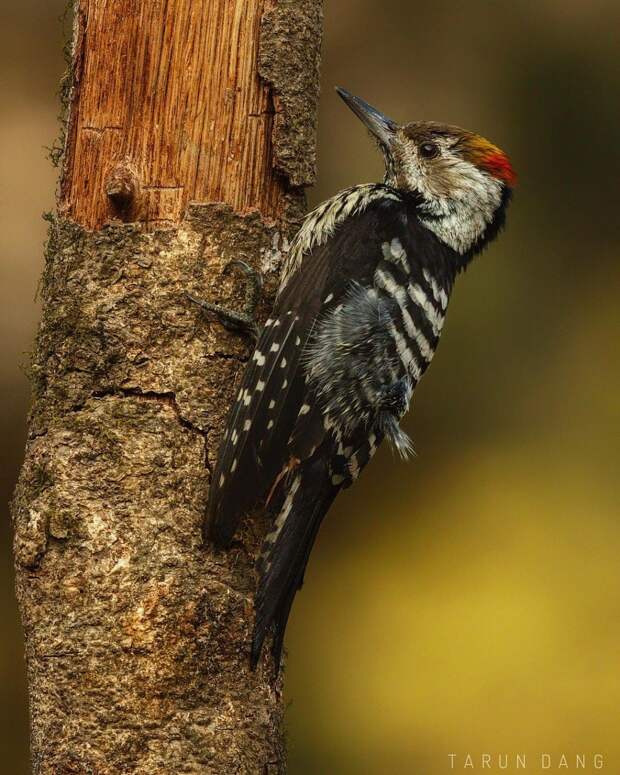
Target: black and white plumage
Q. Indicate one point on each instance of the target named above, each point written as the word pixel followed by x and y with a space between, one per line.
pixel 356 323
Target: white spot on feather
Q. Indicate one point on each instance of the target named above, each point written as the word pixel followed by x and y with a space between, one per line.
pixel 417 296
pixel 321 223
pixel 404 353
pixel 438 293
pixel 288 503
pixel 395 253
pixel 385 281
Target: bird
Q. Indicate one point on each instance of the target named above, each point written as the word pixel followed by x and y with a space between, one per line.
pixel 358 316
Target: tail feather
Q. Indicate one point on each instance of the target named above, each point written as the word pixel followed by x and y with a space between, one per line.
pixel 309 495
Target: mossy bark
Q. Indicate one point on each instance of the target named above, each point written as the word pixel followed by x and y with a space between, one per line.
pixel 137 635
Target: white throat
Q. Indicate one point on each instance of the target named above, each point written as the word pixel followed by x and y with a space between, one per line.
pixel 460 220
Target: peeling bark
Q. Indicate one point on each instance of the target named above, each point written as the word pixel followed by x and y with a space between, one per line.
pixel 287 61
pixel 137 635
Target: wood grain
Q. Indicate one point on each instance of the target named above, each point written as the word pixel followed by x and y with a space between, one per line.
pixel 169 88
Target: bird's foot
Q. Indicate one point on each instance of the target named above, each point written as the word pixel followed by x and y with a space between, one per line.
pixel 242 321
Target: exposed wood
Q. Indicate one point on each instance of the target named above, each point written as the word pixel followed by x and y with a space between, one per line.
pixel 171 88
pixel 137 635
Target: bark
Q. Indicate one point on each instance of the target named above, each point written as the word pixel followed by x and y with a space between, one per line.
pixel 190 136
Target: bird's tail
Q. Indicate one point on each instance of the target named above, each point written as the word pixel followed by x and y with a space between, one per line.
pixel 305 497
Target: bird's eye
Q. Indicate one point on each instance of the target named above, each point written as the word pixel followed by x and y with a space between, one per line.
pixel 429 150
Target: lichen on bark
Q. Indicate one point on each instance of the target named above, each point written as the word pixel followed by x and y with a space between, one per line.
pixel 288 60
pixel 138 635
pixel 139 332
pixel 131 385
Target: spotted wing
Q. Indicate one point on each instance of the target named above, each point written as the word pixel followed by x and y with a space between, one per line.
pixel 255 447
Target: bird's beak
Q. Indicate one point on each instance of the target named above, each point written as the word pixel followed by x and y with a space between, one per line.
pixel 382 127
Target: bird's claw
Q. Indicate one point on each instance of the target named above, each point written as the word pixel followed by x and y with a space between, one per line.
pixel 244 321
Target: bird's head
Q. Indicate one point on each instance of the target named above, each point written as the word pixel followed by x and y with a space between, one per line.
pixel 462 180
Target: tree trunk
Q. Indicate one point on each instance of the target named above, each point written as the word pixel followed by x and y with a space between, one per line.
pixel 190 137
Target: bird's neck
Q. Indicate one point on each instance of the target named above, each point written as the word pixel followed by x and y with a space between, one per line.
pixel 460 224
pixel 467 222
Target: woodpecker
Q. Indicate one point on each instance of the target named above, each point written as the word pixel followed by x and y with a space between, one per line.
pixel 358 316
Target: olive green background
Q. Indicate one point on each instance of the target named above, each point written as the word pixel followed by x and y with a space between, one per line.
pixel 469 601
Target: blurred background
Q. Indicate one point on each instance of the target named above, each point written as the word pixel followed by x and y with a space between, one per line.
pixel 468 602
